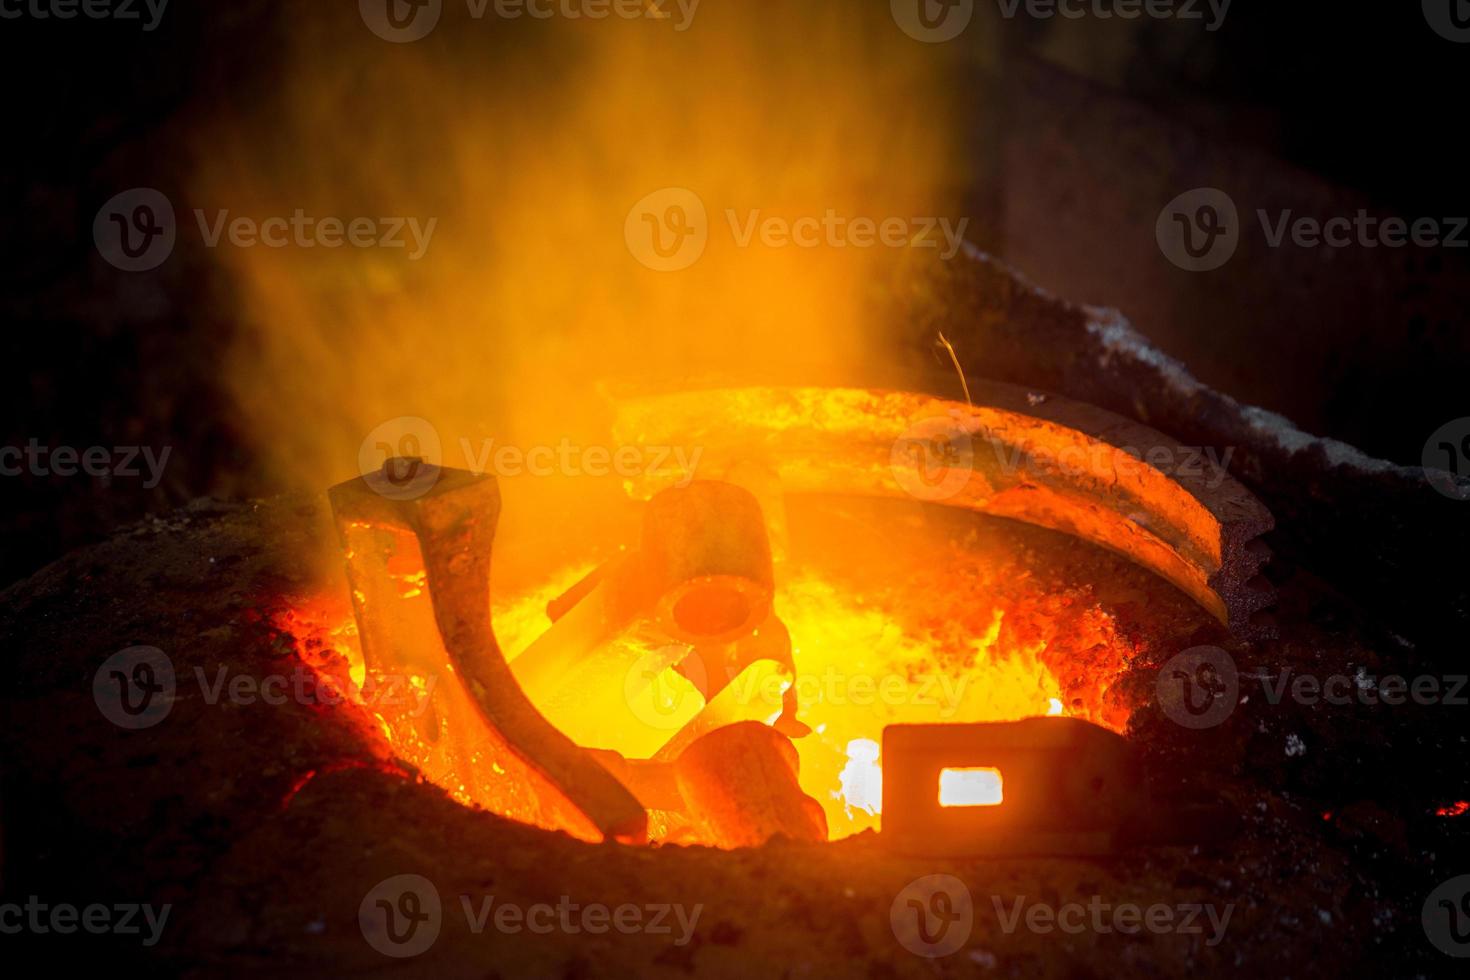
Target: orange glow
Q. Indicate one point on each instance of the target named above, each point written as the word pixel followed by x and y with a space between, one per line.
pixel 528 144
pixel 1454 809
pixel 916 652
pixel 908 622
pixel 971 787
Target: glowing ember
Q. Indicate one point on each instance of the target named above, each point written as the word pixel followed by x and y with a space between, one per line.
pixel 971 787
pixel 1454 809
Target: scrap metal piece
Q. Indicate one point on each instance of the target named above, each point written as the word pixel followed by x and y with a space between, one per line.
pixel 736 786
pixel 437 540
pixel 1012 453
pixel 752 679
pixel 740 785
pixel 1043 786
pixel 703 570
pixel 697 592
pixel 707 556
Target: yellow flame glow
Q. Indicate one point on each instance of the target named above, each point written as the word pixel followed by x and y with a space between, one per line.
pixel 529 142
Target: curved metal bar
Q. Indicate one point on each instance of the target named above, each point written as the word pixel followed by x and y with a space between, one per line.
pixel 1012 453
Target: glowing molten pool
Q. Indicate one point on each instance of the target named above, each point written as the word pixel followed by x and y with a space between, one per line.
pixel 946 629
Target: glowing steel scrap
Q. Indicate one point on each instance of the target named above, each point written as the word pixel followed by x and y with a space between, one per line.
pixel 1055 463
pixel 480 734
pixel 702 574
pixel 643 649
pixel 687 690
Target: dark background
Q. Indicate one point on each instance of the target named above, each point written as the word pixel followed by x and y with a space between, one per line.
pixel 1316 106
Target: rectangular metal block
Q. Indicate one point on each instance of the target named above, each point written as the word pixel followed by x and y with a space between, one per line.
pixel 1043 786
